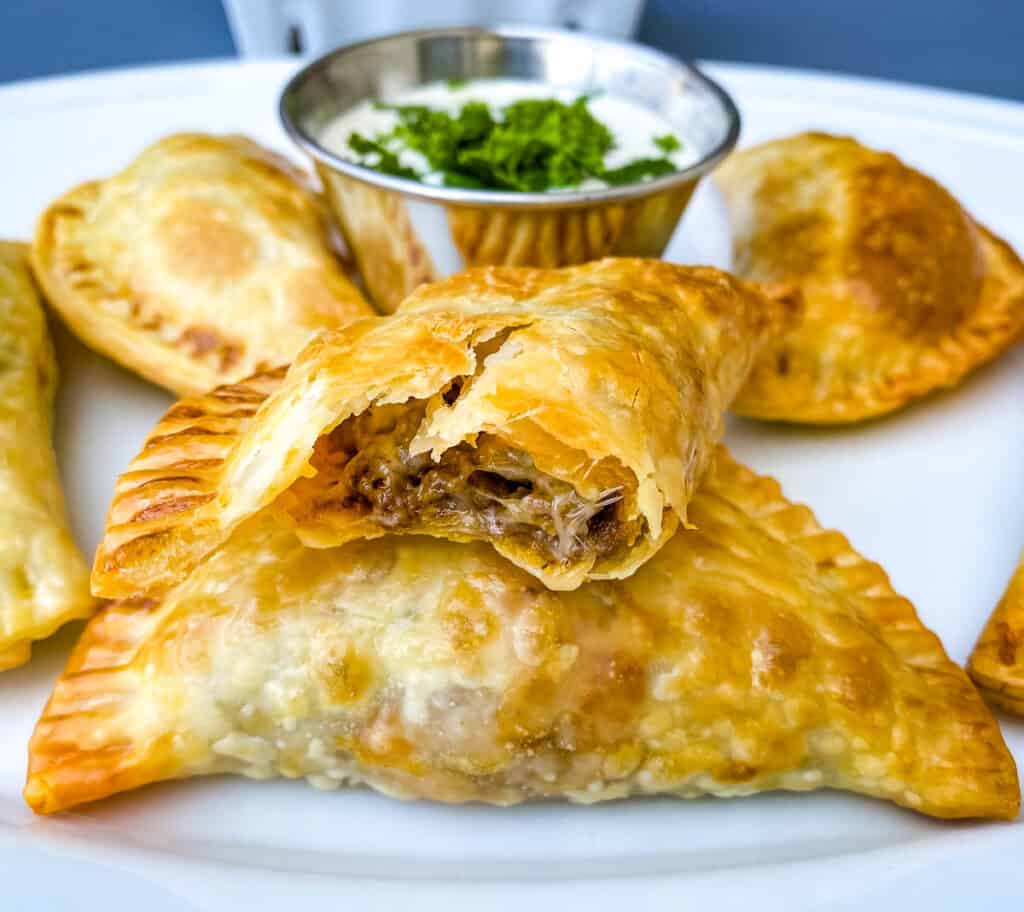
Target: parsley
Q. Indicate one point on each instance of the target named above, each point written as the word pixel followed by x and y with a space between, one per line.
pixel 451 179
pixel 668 143
pixel 637 170
pixel 385 161
pixel 530 145
pixel 537 144
pixel 440 137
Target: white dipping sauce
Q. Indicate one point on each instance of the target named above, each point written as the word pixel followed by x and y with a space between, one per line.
pixel 632 127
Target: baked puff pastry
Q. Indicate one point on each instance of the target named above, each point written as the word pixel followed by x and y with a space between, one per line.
pixel 754 652
pixel 565 416
pixel 997 663
pixel 205 260
pixel 44 582
pixel 904 293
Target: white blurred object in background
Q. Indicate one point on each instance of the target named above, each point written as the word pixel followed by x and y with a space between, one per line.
pixel 264 28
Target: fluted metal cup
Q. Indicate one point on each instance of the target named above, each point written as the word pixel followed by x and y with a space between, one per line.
pixel 403 233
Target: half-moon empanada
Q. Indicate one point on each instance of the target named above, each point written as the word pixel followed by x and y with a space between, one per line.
pixel 205 260
pixel 44 582
pixel 757 651
pixel 563 415
pixel 997 663
pixel 904 293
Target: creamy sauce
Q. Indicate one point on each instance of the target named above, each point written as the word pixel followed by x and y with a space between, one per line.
pixel 633 127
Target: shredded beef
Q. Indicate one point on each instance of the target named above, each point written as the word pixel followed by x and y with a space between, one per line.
pixel 488 489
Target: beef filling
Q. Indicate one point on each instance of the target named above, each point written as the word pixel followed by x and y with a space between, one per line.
pixel 490 489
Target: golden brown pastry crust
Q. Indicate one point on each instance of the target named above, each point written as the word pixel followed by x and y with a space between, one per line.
pixel 757 651
pixel 997 662
pixel 155 528
pixel 611 376
pixel 44 582
pixel 904 293
pixel 205 260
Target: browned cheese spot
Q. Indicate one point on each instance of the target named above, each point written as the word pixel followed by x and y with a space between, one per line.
pixel 201 243
pixel 915 255
pixel 348 677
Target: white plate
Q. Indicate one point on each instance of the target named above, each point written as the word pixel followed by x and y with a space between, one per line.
pixel 934 494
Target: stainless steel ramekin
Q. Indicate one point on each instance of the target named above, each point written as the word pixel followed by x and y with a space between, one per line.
pixel 403 233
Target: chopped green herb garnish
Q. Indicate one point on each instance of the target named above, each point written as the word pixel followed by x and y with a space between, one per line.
pixel 452 179
pixel 530 145
pixel 440 137
pixel 539 144
pixel 385 161
pixel 638 170
pixel 668 143
pixel 457 83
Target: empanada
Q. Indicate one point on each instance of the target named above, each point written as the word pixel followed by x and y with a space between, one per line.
pixel 205 260
pixel 904 293
pixel 754 652
pixel 44 582
pixel 563 415
pixel 997 663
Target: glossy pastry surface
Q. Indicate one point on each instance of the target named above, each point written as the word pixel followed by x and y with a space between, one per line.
pixel 997 662
pixel 754 652
pixel 564 416
pixel 205 260
pixel 44 581
pixel 904 292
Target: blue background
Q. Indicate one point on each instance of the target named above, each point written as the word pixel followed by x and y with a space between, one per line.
pixel 974 45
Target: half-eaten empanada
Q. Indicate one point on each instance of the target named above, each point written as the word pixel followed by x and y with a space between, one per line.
pixel 997 663
pixel 565 416
pixel 44 582
pixel 757 651
pixel 904 293
pixel 205 260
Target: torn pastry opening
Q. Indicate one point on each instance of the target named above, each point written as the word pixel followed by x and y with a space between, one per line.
pixel 487 488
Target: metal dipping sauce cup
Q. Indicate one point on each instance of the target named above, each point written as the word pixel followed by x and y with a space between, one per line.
pixel 403 233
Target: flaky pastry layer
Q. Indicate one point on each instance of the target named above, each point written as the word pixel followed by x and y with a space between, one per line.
pixel 565 416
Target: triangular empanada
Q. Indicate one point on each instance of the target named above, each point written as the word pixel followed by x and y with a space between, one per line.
pixel 205 260
pixel 754 652
pixel 904 293
pixel 44 582
pixel 997 663
pixel 565 416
